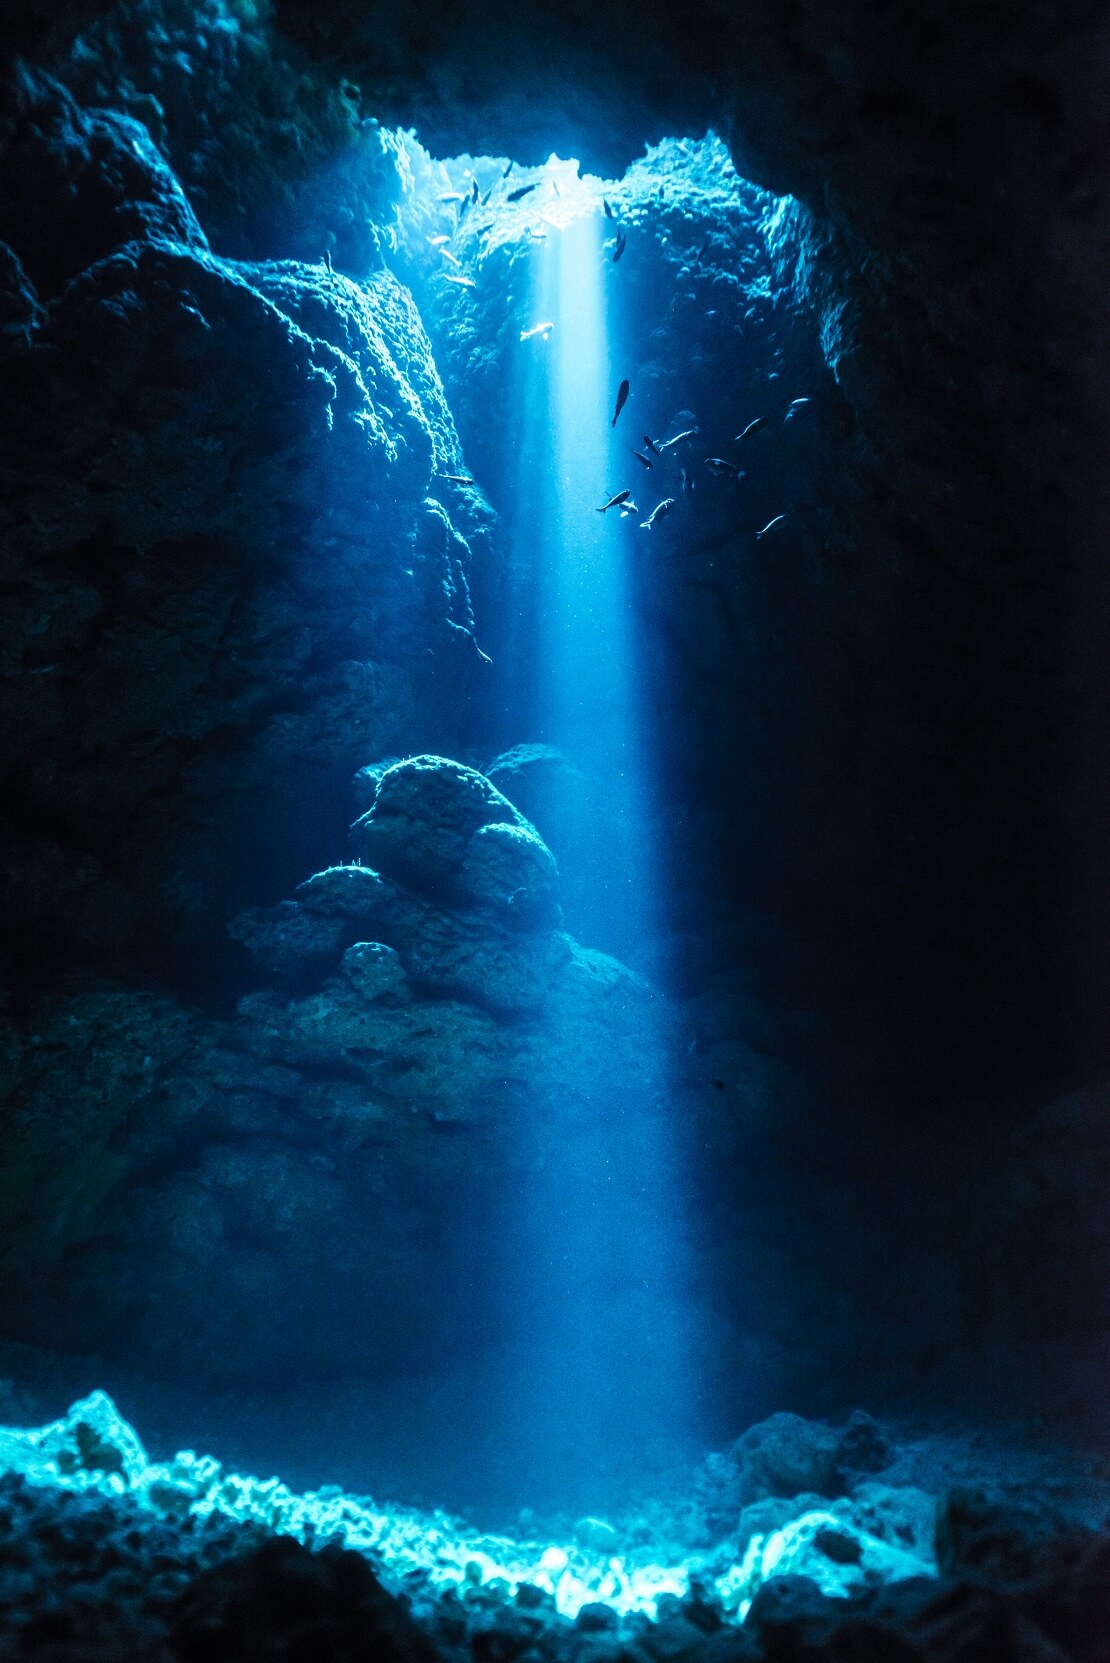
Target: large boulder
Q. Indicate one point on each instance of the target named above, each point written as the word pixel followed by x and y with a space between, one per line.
pixel 444 829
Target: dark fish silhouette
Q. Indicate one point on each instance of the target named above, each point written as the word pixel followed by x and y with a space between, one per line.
pixel 622 244
pixel 659 512
pixel 652 446
pixel 615 502
pixel 723 469
pixel 507 171
pixel 701 252
pixel 752 427
pixel 679 439
pixel 778 519
pixel 640 457
pixel 622 400
pixel 474 190
pixel 608 211
pixel 521 190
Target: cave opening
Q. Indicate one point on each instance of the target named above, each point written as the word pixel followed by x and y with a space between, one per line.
pixel 554 833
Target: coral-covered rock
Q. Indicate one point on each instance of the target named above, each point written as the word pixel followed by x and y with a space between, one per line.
pixel 375 971
pixel 424 814
pixel 508 868
pixel 289 940
pixel 787 1456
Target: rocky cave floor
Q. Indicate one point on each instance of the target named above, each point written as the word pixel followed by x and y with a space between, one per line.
pixel 802 1541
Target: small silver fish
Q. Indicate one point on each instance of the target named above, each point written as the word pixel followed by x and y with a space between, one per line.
pixel 451 258
pixel 628 508
pixel 723 469
pixel 438 242
pixel 614 502
pixel 796 408
pixel 688 483
pixel 457 478
pixel 463 282
pixel 752 427
pixel 450 196
pixel 659 512
pixel 778 519
pixel 541 329
pixel 679 439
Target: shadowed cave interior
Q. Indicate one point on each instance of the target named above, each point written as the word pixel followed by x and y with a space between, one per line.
pixel 554 837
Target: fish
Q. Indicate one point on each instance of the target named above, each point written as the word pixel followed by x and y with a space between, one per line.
pixel 622 400
pixel 507 171
pixel 452 258
pixel 555 187
pixel 450 196
pixel 628 508
pixel 659 512
pixel 487 196
pixel 536 234
pixel 438 242
pixel 700 255
pixel 652 446
pixel 778 519
pixel 521 190
pixel 615 502
pixel 327 259
pixel 645 461
pixel 463 282
pixel 541 329
pixel 457 478
pixel 474 190
pixel 723 469
pixel 609 214
pixel 688 483
pixel 679 439
pixel 752 427
pixel 622 244
pixel 796 406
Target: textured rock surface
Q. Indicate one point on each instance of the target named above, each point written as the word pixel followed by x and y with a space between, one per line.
pixel 226 583
pixel 107 1553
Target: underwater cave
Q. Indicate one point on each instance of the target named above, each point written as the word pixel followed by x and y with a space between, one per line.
pixel 556 831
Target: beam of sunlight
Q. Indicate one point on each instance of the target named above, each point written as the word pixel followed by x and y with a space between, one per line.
pixel 594 1247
